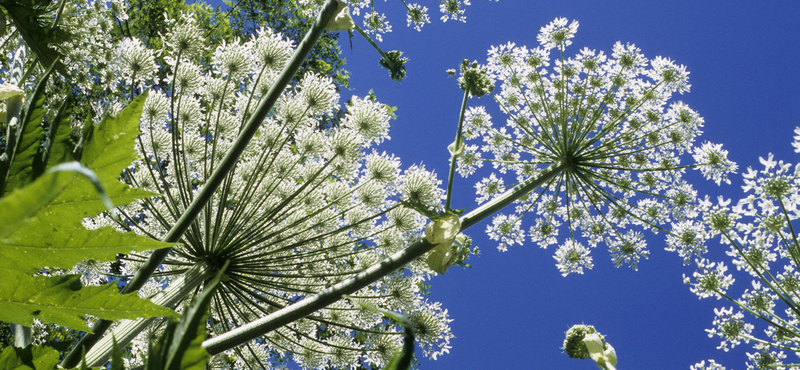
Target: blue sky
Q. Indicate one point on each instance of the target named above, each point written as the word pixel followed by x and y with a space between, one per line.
pixel 511 309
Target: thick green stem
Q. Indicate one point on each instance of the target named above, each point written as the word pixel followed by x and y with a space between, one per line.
pixel 455 152
pixel 23 335
pixel 328 296
pixel 178 290
pixel 212 183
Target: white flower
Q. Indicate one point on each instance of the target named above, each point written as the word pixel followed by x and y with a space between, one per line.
pixel 557 33
pixel 417 16
pixel 231 60
pixel 605 130
pixel 377 24
pixel 710 280
pixel 712 365
pixel 420 187
pixel 506 230
pixel 369 118
pixel 572 257
pixel 730 327
pixel 453 9
pixel 714 162
pixel 133 62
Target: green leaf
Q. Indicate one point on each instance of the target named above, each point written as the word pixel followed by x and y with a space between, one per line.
pixel 59 146
pixel 26 146
pixel 42 226
pixel 62 300
pixel 43 222
pixel 31 357
pixel 117 363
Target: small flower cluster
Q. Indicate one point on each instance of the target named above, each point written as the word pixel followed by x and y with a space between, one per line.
pixel 604 133
pixel 375 23
pixel 304 208
pixel 762 244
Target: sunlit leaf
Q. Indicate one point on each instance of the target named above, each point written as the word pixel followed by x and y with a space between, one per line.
pixel 62 300
pixel 31 357
pixel 43 223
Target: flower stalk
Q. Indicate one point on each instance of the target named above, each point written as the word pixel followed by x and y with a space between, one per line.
pixel 220 172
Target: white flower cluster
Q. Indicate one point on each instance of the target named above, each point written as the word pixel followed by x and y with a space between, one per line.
pixel 712 365
pixel 305 207
pixel 376 23
pixel 759 231
pixel 607 126
pixel 87 55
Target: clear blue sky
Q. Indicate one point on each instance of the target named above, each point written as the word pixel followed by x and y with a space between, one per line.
pixel 511 309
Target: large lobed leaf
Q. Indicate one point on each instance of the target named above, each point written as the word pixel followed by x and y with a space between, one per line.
pixel 41 226
pixel 63 300
pixel 50 233
pixel 31 357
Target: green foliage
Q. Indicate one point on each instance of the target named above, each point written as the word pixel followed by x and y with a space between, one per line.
pixel 31 357
pixel 42 227
pixel 24 145
pixel 44 220
pixel 62 300
pixel 58 146
pixel 146 19
pixel 117 362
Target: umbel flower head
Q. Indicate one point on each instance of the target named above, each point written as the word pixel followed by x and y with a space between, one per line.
pixel 606 132
pixel 304 209
pixel 759 234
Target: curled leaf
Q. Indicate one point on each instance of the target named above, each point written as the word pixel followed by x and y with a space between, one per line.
pixel 442 232
pixel 9 91
pixel 342 21
pixel 443 229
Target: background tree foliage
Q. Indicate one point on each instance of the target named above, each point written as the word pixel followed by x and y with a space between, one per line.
pixel 242 19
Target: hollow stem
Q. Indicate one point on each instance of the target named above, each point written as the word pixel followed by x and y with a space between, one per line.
pixel 328 296
pixel 23 335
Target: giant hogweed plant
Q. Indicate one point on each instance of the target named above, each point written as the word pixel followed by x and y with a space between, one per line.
pixel 595 146
pixel 303 208
pixel 307 216
pixel 609 128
